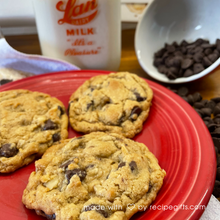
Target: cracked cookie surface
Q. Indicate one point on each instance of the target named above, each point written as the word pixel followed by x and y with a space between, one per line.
pixel 118 102
pixel 95 176
pixel 30 122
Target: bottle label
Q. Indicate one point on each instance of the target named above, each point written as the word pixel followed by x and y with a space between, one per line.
pixel 73 12
pixel 78 14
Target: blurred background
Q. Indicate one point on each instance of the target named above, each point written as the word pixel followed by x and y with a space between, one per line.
pixel 17 17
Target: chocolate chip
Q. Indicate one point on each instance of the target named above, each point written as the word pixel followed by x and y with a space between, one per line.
pixel 213 57
pixel 122 118
pixel 6 150
pixel 174 70
pixel 191 46
pixel 216 110
pixel 50 217
pixel 208 51
pixel 149 188
pixel 56 137
pixel 206 111
pixel 216 190
pixel 216 133
pixel 216 142
pixel 78 138
pixel 190 99
pixel 199 112
pixel 218 161
pixel 204 101
pixel 169 61
pixel 216 99
pixel 216 120
pixel 198 49
pixel 122 164
pixel 199 41
pixel 186 63
pixel 175 44
pixel 197 68
pixel 171 75
pixel 160 53
pixel 197 97
pixel 208 119
pixel 178 54
pixel 198 57
pixel 173 90
pixel 190 56
pixel 218 44
pixel 133 165
pixel 79 172
pixel 206 62
pixel 177 61
pixel 66 164
pixel 211 104
pixel 206 123
pixel 183 91
pixel 198 105
pixel 211 127
pixel 216 152
pixel 135 111
pixel 185 98
pixel 61 110
pixel 4 81
pixel 90 166
pixel 188 73
pixel 165 55
pixel 183 50
pixel 218 174
pixel 158 62
pixel 170 48
pixel 98 208
pixel 49 125
pixel 90 105
pixel 162 69
pixel 216 52
pixel 139 97
pixel 184 43
pixel 207 45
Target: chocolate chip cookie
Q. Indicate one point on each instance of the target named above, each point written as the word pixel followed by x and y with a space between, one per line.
pixel 30 122
pixel 118 102
pixel 95 176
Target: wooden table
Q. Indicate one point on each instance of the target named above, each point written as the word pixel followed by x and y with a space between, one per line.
pixel 208 86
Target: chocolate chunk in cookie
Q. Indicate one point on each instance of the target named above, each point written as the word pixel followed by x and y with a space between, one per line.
pixel 79 172
pixel 7 150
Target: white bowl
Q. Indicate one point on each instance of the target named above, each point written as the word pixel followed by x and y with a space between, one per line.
pixel 166 21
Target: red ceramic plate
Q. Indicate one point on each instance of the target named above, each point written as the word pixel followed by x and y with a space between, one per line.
pixel 173 132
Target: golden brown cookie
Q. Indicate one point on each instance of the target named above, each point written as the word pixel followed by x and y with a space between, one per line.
pixel 96 176
pixel 30 122
pixel 118 102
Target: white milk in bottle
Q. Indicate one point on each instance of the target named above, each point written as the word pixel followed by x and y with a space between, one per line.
pixel 86 33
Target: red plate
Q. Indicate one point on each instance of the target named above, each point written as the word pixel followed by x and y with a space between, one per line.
pixel 173 132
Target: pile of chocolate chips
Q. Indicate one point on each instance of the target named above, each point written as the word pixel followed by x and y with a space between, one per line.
pixel 186 59
pixel 209 111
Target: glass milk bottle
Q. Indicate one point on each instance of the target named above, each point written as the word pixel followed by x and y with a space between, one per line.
pixel 86 33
